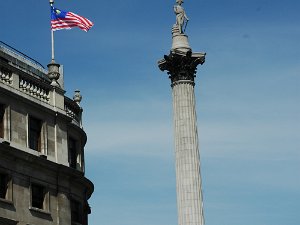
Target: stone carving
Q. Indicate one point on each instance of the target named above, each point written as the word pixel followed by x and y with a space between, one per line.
pixel 53 73
pixel 77 97
pixel 181 17
pixel 181 66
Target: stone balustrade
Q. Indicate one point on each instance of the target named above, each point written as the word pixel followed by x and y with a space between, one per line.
pixel 30 79
pixel 34 89
pixel 40 90
pixel 73 110
pixel 6 77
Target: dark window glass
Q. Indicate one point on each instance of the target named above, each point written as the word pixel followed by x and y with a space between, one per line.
pixel 76 212
pixel 37 196
pixel 3 185
pixel 72 152
pixel 2 110
pixel 35 126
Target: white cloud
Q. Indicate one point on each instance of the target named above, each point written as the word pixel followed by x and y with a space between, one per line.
pixel 134 138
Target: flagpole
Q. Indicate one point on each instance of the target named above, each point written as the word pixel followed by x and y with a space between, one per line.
pixel 52 36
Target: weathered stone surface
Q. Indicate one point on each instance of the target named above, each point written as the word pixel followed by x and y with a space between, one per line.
pixel 51 140
pixel 60 182
pixel 188 178
pixel 26 92
pixel 19 128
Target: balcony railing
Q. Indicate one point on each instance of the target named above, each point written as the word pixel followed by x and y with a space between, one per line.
pixel 5 76
pixel 34 89
pixel 73 110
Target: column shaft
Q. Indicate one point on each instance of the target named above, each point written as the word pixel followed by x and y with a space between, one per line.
pixel 188 178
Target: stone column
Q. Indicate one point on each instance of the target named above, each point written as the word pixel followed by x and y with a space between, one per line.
pixel 188 180
pixel 182 68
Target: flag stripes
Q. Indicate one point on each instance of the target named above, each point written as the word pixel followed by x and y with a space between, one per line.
pixel 68 20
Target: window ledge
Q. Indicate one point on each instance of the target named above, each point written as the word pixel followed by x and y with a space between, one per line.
pixel 6 201
pixel 8 221
pixel 40 211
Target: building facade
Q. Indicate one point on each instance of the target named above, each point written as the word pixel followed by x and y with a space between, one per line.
pixel 42 169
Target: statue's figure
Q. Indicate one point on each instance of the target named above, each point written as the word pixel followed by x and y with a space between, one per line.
pixel 181 18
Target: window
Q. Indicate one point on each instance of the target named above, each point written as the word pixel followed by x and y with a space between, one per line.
pixel 4 183
pixel 72 152
pixel 2 111
pixel 35 127
pixel 6 190
pixel 76 212
pixel 40 198
pixel 37 196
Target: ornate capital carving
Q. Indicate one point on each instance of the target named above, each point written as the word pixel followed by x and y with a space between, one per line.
pixel 181 66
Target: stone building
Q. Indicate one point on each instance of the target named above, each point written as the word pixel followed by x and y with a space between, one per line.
pixel 42 170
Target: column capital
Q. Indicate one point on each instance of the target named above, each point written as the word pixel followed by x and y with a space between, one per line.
pixel 181 65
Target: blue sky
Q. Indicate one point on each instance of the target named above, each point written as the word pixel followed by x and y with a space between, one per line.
pixel 247 96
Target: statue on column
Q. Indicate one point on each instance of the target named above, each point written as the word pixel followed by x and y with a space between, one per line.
pixel 181 18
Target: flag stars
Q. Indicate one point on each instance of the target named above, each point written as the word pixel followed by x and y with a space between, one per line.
pixel 57 12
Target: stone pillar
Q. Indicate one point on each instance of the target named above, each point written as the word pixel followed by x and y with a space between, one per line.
pixel 63 208
pixel 182 69
pixel 188 180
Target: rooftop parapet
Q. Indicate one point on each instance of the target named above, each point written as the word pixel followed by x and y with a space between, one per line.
pixel 22 61
pixel 26 77
pixel 73 110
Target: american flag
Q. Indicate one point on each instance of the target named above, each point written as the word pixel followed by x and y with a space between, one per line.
pixel 66 20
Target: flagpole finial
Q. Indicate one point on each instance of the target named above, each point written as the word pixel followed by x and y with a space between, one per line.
pixel 51 2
